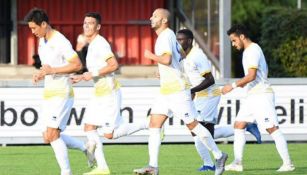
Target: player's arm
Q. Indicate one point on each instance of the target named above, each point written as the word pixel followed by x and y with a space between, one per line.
pixel 74 65
pixel 80 43
pixel 112 66
pixel 207 82
pixel 251 76
pixel 165 59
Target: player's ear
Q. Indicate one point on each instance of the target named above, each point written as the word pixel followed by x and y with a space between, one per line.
pixel 242 36
pixel 98 27
pixel 44 24
pixel 164 20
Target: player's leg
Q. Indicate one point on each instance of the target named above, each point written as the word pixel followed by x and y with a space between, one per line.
pixel 254 130
pixel 238 147
pixel 204 154
pixel 244 116
pixel 126 129
pixel 223 132
pixel 154 143
pixel 56 112
pixel 282 148
pixel 121 128
pixel 73 143
pixel 227 131
pixel 183 107
pixel 154 140
pixel 158 116
pixel 94 143
pixel 205 137
pixel 202 150
pixel 59 148
pixel 271 124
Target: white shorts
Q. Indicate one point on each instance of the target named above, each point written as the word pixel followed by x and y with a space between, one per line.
pixel 180 104
pixel 207 108
pixel 104 112
pixel 259 108
pixel 56 112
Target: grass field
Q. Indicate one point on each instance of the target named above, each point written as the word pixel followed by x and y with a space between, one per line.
pixel 175 159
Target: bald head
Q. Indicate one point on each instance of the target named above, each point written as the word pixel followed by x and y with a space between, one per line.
pixel 160 19
pixel 164 13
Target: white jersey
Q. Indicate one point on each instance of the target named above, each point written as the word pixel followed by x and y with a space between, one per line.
pixel 253 58
pixel 56 52
pixel 171 76
pixel 99 51
pixel 196 64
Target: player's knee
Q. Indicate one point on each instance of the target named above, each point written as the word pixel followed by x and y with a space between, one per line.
pixel 88 127
pixel 45 137
pixel 271 130
pixel 51 135
pixel 155 125
pixel 192 125
pixel 46 140
pixel 50 139
pixel 108 136
pixel 201 131
pixel 240 125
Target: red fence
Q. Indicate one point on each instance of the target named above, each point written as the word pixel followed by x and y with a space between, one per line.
pixel 125 24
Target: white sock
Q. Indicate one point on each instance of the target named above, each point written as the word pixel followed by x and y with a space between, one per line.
pixel 206 138
pixel 281 145
pixel 203 152
pixel 154 142
pixel 61 154
pixel 238 145
pixel 128 129
pixel 73 143
pixel 223 132
pixel 99 155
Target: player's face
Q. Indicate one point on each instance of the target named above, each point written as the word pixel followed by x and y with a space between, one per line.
pixel 183 41
pixel 90 26
pixel 38 30
pixel 156 19
pixel 236 41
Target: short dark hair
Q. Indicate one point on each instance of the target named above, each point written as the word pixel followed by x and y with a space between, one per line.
pixel 37 16
pixel 95 15
pixel 238 29
pixel 188 33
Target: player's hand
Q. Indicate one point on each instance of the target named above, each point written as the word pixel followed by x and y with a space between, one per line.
pixel 148 54
pixel 227 88
pixel 38 76
pixel 87 76
pixel 76 78
pixel 48 69
pixel 35 78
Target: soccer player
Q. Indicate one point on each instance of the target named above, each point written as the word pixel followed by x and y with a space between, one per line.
pixel 206 95
pixel 104 107
pixel 174 96
pixel 58 61
pixel 259 104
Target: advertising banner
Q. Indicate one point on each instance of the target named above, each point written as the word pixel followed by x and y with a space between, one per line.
pixel 20 113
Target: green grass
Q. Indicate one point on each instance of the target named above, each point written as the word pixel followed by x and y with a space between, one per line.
pixel 175 159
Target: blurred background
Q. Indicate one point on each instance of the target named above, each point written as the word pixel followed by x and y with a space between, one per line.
pixel 279 26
